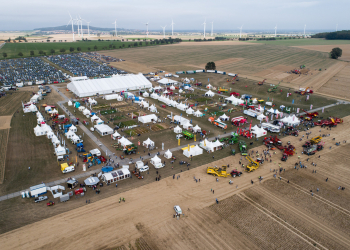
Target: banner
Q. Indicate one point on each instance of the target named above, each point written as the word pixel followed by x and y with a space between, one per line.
pixel 322 110
pixel 293 101
pixel 178 142
pixel 311 106
pixel 307 97
pixel 287 94
pixel 298 110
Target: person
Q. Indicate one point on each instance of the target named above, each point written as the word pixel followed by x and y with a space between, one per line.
pixel 120 199
pixel 123 199
pixel 217 201
pixel 116 185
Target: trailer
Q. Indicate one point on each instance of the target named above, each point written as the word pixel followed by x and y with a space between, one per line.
pixel 271 128
pixel 250 113
pixel 37 190
pixel 64 198
pixel 220 124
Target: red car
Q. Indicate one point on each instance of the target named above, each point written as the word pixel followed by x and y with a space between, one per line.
pixel 102 158
pixel 163 106
pixel 50 203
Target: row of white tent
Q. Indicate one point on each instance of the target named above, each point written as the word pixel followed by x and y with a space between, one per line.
pixel 72 136
pixel 30 108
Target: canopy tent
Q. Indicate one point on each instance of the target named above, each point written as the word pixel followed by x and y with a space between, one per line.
pixel 198 113
pixel 216 144
pixel 47 108
pixel 224 117
pixel 193 151
pixel 261 117
pixel 154 96
pixel 168 154
pixel 102 86
pixel 148 143
pixel 38 114
pixel 166 81
pixel 259 109
pixel 30 108
pixel 181 106
pixel 113 97
pixel 60 151
pixel 186 80
pixel 50 135
pixel 124 142
pixel 86 112
pixel 53 111
pixel 116 135
pixel 177 129
pixel 234 100
pixel 99 121
pixel 156 162
pixel 81 108
pixel 187 125
pixel 144 104
pixel 91 181
pixel 153 108
pixel 197 129
pixel 209 86
pixel 55 141
pixel 209 93
pixel 103 129
pixel 181 119
pixel 94 117
pixel 180 90
pixel 70 103
pixel 145 94
pixel 172 88
pixel 147 118
pixel 258 132
pixel 190 111
pixel 291 120
pixel 92 101
pixel 76 139
pixel 166 92
pixel 207 145
pixel 38 131
pixel 73 128
pixel 69 134
pixel 273 111
pixel 40 120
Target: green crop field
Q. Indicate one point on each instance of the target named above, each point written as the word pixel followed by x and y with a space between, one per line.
pixel 302 42
pixel 12 49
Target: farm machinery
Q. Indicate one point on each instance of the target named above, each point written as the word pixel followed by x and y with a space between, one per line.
pixel 223 90
pixel 272 142
pixel 187 134
pixel 130 149
pixel 235 173
pixel 252 165
pixel 262 82
pixel 288 151
pixel 273 89
pixel 331 122
pixel 238 121
pixel 235 94
pixel 310 116
pixel 314 145
pixel 303 91
pixel 220 172
pixel 234 138
pixel 243 147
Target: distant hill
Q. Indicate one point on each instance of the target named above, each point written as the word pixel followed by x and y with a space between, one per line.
pixel 338 35
pixel 69 28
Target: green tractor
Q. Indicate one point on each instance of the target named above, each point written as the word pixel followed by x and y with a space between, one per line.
pixel 273 89
pixel 187 135
pixel 243 147
pixel 130 149
pixel 234 138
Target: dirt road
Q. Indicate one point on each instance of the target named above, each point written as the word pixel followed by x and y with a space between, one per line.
pixel 148 212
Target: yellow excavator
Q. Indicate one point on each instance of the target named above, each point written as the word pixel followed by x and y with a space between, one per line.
pixel 220 172
pixel 253 165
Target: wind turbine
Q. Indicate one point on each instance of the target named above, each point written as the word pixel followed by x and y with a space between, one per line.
pixel 146 29
pixel 81 25
pixel 115 27
pixel 163 31
pixel 212 28
pixel 172 27
pixel 275 30
pixel 204 26
pixel 304 29
pixel 71 21
pixel 77 24
pixel 240 31
pixel 88 28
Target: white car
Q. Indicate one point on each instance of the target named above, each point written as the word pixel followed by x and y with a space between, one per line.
pixel 178 209
pixel 144 168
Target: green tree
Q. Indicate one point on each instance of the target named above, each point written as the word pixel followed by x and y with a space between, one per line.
pixel 20 54
pixel 110 46
pixel 135 44
pixel 52 51
pixel 114 46
pixel 95 47
pixel 78 49
pixel 41 52
pixel 48 40
pixel 71 49
pixel 62 50
pixel 123 45
pixel 32 53
pixel 210 66
pixel 9 40
pixel 140 43
pixel 89 48
pixel 129 45
pixel 4 54
pixel 336 52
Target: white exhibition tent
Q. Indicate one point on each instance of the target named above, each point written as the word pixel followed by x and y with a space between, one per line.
pixel 198 113
pixel 234 100
pixel 209 93
pixel 156 161
pixel 76 139
pixel 92 101
pixel 209 86
pixel 273 111
pixel 50 135
pixel 70 103
pixel 224 117
pixel 187 125
pixel 207 145
pixel 147 118
pixel 81 108
pixel 103 129
pixel 177 129
pixel 197 129
pixel 60 151
pixel 86 112
pixel 181 119
pixel 69 134
pixel 73 128
pixel 30 108
pixel 113 97
pixel 291 120
pixel 54 111
pixel 154 96
pixel 47 108
pixel 145 94
pixel 144 104
pixel 99 121
pixel 166 81
pixel 38 131
pixel 147 143
pixel 193 151
pixel 261 117
pixel 116 135
pixel 181 106
pixel 258 132
pixel 190 111
pixel 116 83
pixel 55 140
pixel 172 88
pixel 124 142
pixel 216 144
pixel 94 117
pixel 168 154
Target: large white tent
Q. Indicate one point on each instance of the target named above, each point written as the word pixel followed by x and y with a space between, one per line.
pixel 145 94
pixel 258 132
pixel 108 85
pixel 198 113
pixel 116 135
pixel 156 161
pixel 147 118
pixel 167 81
pixel 181 119
pixel 103 129
pixel 224 117
pixel 113 97
pixel 177 129
pixel 197 129
pixel 193 151
pixel 291 120
pixel 209 93
pixel 181 106
pixel 152 108
pixel 168 154
pixel 147 143
pixel 124 142
pixel 261 117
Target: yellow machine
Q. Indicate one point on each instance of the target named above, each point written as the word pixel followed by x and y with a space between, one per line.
pixel 316 140
pixel 223 90
pixel 253 165
pixel 220 172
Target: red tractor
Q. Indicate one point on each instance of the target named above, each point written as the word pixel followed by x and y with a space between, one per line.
pixel 235 173
pixel 311 115
pixel 331 122
pixel 102 158
pixel 293 133
pixel 50 203
pixel 65 120
pixel 272 142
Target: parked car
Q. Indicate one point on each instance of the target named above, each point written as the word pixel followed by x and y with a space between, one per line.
pixel 177 209
pixel 50 203
pixel 144 168
pixel 41 198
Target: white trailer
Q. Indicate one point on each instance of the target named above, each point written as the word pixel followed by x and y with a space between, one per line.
pixel 250 113
pixel 37 190
pixel 271 128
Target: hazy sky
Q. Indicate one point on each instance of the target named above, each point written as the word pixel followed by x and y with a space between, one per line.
pixel 187 14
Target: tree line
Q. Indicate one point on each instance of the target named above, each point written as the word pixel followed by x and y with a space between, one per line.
pixel 337 35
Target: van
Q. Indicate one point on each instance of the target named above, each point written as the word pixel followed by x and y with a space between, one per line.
pixel 69 169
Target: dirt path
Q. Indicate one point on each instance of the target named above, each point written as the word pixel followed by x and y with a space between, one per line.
pixel 5 122
pixel 148 212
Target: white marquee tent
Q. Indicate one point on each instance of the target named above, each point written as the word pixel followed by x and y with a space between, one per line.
pixel 124 142
pixel 156 161
pixel 166 81
pixel 194 151
pixel 152 108
pixel 70 103
pixel 86 112
pixel 197 129
pixel 168 154
pixel 261 117
pixel 147 118
pixel 224 117
pixel 291 120
pixel 113 97
pixel 209 93
pixel 116 135
pixel 73 128
pixel 177 129
pixel 190 111
pixel 103 129
pixel 209 86
pixel 145 94
pixel 187 125
pixel 104 86
pixel 258 132
pixel 147 143
pixel 198 113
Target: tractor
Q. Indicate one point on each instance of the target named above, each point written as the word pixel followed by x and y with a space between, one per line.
pixel 187 134
pixel 243 147
pixel 235 173
pixel 310 115
pixel 272 142
pixel 273 89
pixel 223 90
pixel 220 172
pixel 130 149
pixel 234 139
pixel 235 94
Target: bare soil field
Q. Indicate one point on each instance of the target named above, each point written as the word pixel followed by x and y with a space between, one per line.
pixel 5 122
pixel 11 103
pixel 328 48
pixel 215 43
pixel 338 85
pixel 4 135
pixel 271 215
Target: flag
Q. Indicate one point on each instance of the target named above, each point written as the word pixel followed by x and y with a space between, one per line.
pixel 281 114
pixel 267 119
pixel 208 79
pixel 293 101
pixel 322 110
pixel 311 106
pixel 298 110
pixel 268 98
pixel 276 116
pixel 307 97
pixel 287 94
pixel 188 147
pixel 271 117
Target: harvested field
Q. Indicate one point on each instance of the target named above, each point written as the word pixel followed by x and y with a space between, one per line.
pixel 338 85
pixel 117 104
pixel 328 48
pixel 10 103
pixel 5 122
pixel 4 135
pixel 126 109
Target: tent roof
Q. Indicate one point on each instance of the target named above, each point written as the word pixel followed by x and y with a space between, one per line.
pixel 196 127
pixel 108 85
pixel 103 128
pixel 166 81
pixel 148 141
pixel 224 116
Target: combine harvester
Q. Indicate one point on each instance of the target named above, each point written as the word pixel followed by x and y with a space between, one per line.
pixel 253 165
pixel 288 151
pixel 273 89
pixel 310 116
pixel 331 122
pixel 303 91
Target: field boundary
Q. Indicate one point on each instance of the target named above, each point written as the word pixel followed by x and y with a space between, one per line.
pixel 3 152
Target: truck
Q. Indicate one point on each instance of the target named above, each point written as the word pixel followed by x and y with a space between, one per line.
pixel 270 127
pixel 220 172
pixel 130 149
pixel 41 198
pixel 243 147
pixel 187 134
pixel 65 168
pixel 64 198
pixel 220 124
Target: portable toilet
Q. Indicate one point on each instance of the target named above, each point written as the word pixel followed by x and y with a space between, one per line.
pixel 23 195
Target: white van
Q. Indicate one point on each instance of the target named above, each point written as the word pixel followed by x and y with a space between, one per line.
pixel 178 209
pixel 69 169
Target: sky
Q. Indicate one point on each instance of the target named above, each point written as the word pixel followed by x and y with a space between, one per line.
pixel 187 14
